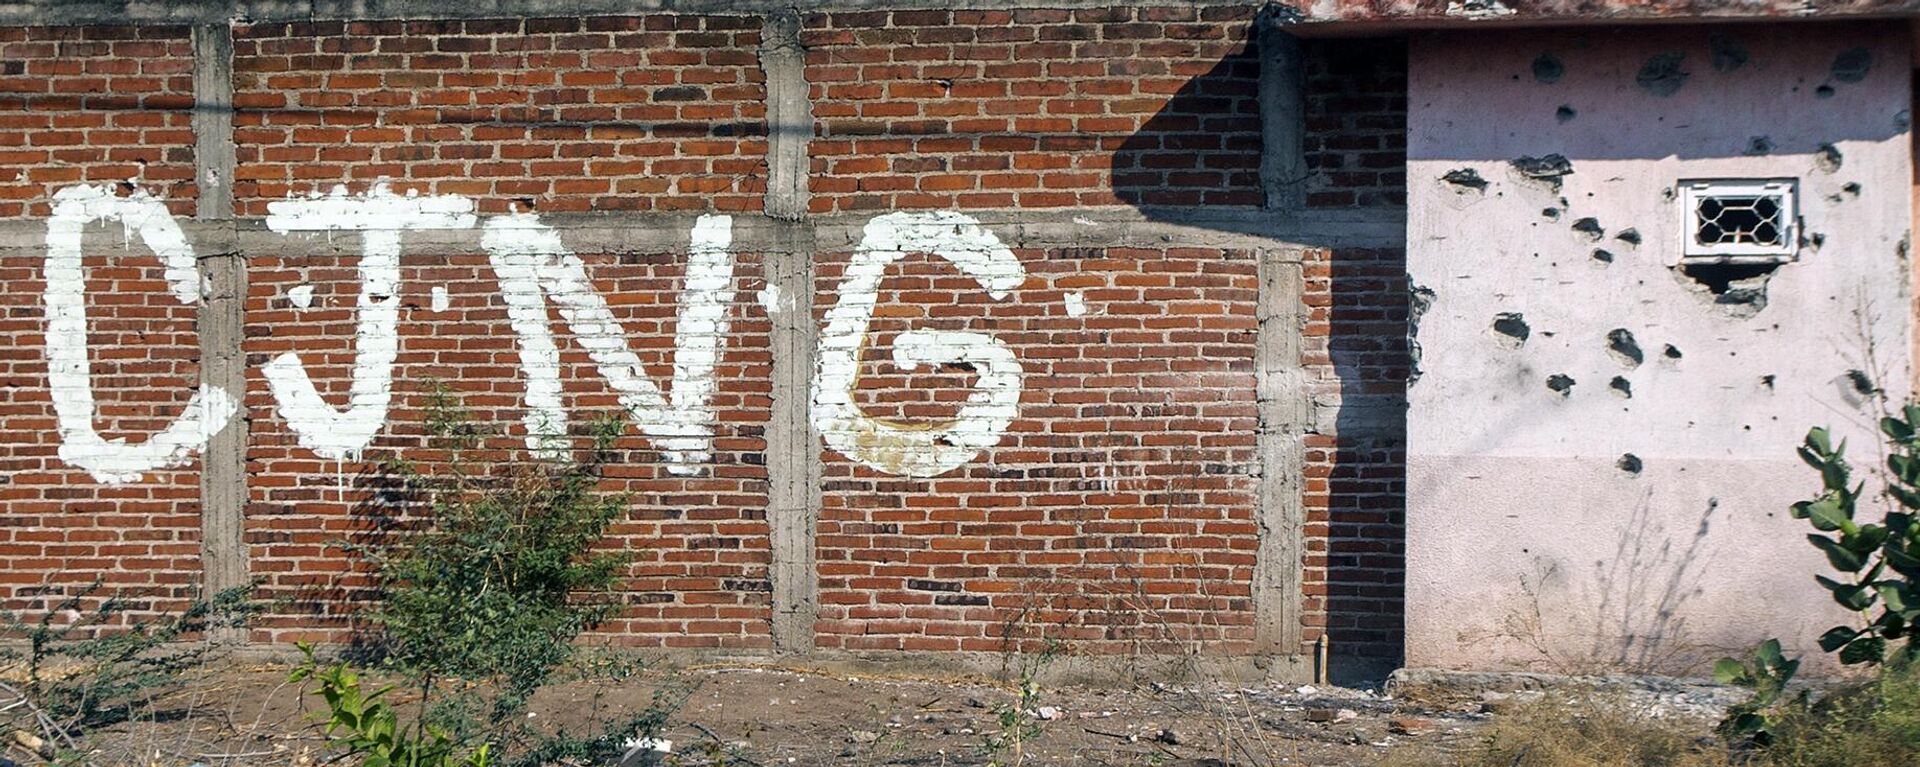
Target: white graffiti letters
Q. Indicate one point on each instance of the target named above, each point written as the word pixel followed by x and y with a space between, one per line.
pixel 69 366
pixel 380 216
pixel 918 451
pixel 528 259
pixel 535 269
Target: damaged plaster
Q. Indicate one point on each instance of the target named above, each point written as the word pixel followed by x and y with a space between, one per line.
pixel 1635 396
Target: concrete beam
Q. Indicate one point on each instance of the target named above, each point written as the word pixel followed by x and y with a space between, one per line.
pixel 652 232
pixel 793 445
pixel 223 466
pixel 1285 413
pixel 213 149
pixel 789 115
pixel 1283 118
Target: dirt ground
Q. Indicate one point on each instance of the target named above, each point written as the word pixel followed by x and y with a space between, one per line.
pixel 764 716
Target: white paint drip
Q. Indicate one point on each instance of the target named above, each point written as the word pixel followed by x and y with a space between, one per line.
pixel 440 298
pixel 381 216
pixel 918 451
pixel 1076 304
pixel 301 296
pixel 529 259
pixel 69 367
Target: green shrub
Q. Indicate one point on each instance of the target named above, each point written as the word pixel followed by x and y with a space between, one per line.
pixel 1880 561
pixel 503 573
pixel 492 571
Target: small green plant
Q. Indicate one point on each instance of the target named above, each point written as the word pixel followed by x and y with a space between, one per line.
pixel 369 731
pixel 1881 561
pixel 84 666
pixel 1758 719
pixel 1018 722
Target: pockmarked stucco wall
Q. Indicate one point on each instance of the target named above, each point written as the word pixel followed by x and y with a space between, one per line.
pixel 1601 446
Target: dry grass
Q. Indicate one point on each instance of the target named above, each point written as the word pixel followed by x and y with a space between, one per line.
pixel 1585 731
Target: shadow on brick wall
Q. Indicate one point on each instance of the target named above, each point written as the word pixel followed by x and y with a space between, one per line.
pixel 1202 150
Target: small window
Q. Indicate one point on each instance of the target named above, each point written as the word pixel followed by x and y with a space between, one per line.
pixel 1741 221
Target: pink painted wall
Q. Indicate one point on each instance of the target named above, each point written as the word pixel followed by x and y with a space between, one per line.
pixel 1532 541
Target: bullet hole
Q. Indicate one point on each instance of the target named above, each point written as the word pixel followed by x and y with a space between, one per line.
pixel 1590 227
pixel 1511 329
pixel 1727 53
pixel 526 203
pixel 1545 171
pixel 1565 113
pixel 1736 290
pixel 1827 158
pixel 1629 463
pixel 1602 255
pixel 1630 236
pixel 1814 241
pixel 1465 179
pixel 1547 68
pixel 1620 387
pixel 1852 188
pixel 1824 92
pixel 1673 352
pixel 1852 65
pixel 1759 145
pixel 1862 385
pixel 1662 75
pixel 1560 383
pixel 1625 351
pixel 1767 381
pixel 1552 214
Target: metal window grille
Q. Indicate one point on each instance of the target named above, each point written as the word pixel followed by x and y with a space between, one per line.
pixel 1741 220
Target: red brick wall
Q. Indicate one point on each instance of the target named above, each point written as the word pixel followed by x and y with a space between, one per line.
pixel 94 105
pixel 699 544
pixel 60 528
pixel 1356 347
pixel 1356 144
pixel 1117 511
pixel 1033 108
pixel 657 112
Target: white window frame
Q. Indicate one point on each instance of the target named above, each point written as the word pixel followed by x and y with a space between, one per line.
pixel 1692 191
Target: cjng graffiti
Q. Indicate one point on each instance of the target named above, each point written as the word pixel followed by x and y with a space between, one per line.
pixel 535 269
